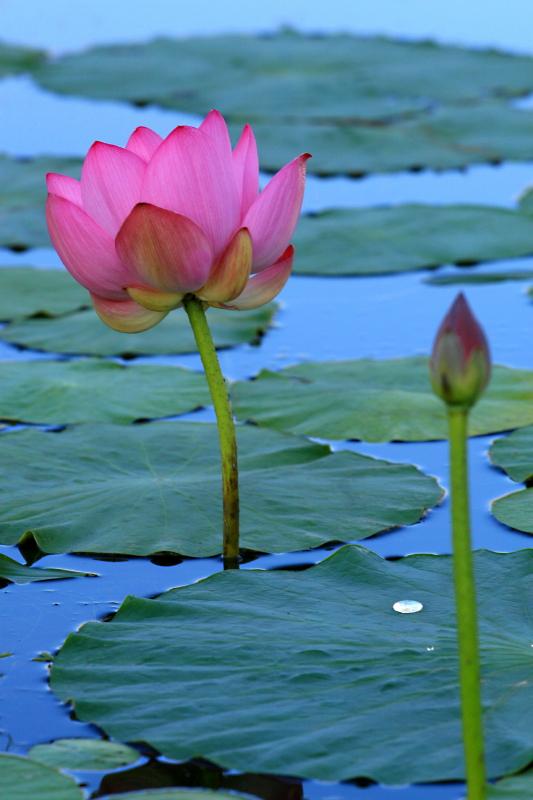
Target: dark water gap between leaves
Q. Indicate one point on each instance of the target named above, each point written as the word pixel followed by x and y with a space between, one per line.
pixel 156 773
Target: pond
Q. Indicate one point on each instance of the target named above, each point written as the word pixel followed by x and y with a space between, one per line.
pixel 320 319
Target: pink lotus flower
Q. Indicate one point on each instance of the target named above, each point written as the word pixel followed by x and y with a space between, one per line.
pixel 161 219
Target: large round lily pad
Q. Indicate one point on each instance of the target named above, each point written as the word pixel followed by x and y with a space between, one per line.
pixel 290 75
pixel 93 390
pixel 370 241
pixel 142 489
pixel 28 292
pixel 22 196
pixel 313 673
pixel 514 454
pixel 21 779
pixel 84 333
pixel 375 401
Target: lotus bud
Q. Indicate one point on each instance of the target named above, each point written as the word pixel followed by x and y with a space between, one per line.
pixel 460 362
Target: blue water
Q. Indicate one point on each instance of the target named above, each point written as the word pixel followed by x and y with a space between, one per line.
pixel 320 318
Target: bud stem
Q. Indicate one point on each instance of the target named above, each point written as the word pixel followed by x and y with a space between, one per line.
pixel 466 611
pixel 226 429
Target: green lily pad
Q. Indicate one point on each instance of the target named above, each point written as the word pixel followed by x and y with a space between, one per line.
pixel 514 454
pixel 480 277
pixel 28 292
pixel 290 75
pixel 83 333
pixel 373 241
pixel 14 58
pixel 22 197
pixel 288 82
pixel 376 401
pixel 61 392
pixel 84 754
pixel 516 787
pixel 143 489
pixel 515 510
pixel 448 138
pixel 314 663
pixel 14 572
pixel 21 778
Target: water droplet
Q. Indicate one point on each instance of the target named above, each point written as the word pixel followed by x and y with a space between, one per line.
pixel 407 606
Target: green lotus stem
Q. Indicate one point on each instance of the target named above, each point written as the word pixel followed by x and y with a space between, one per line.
pixel 226 429
pixel 466 610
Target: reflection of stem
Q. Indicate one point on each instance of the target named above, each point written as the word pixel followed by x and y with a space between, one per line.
pixel 465 601
pixel 226 429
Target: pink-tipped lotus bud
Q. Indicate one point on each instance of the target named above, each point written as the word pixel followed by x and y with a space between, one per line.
pixel 460 362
